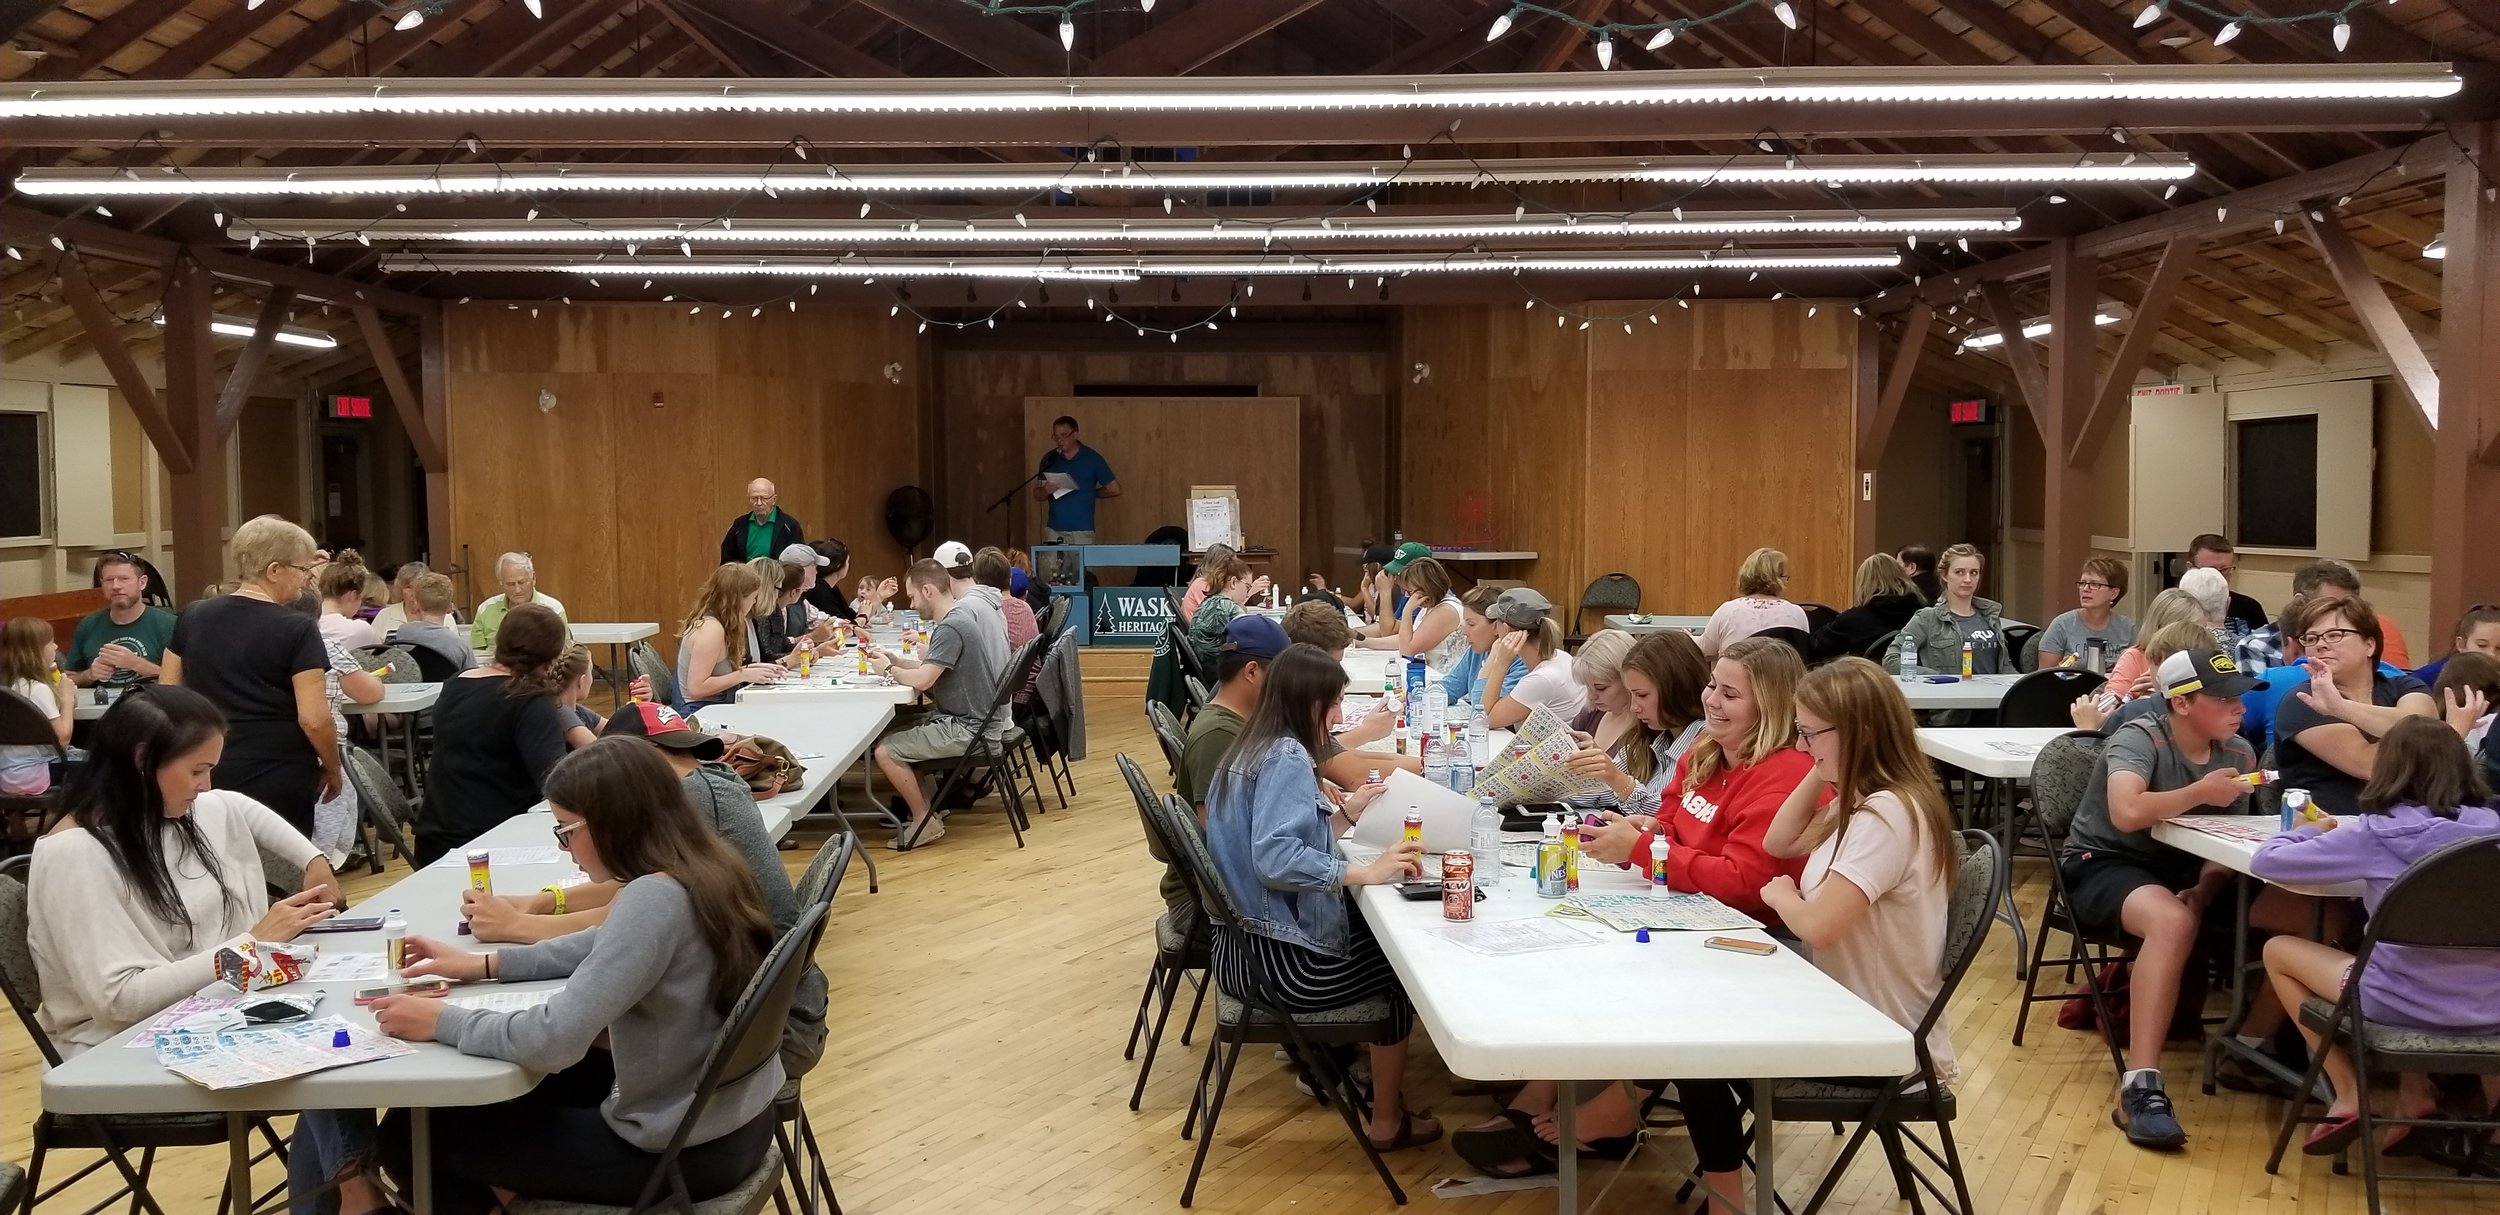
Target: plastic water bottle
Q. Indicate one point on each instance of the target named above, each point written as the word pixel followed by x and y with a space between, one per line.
pixel 1485 840
pixel 1415 680
pixel 1390 675
pixel 1475 734
pixel 1436 707
pixel 1436 759
pixel 394 940
pixel 1909 658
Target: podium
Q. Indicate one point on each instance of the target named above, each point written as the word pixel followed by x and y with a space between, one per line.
pixel 1113 615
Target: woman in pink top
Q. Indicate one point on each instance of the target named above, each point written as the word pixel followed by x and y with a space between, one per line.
pixel 1760 583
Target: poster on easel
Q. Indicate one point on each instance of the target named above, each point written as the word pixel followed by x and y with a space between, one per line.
pixel 1214 517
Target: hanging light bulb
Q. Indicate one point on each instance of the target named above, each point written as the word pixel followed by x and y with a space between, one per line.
pixel 2343 33
pixel 2278 225
pixel 536 8
pixel 409 20
pixel 1786 12
pixel 2170 191
pixel 218 219
pixel 2228 32
pixel 1145 6
pixel 1659 39
pixel 1021 221
pixel 863 210
pixel 1067 37
pixel 1501 26
pixel 2438 248
pixel 1605 53
pixel 2149 14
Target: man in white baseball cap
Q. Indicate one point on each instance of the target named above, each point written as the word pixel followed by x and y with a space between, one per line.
pixel 990 609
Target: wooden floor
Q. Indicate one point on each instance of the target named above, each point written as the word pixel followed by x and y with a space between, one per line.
pixel 980 1003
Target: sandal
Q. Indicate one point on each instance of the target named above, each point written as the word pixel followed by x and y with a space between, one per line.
pixel 2332 1136
pixel 1611 1148
pixel 1506 1152
pixel 1407 1136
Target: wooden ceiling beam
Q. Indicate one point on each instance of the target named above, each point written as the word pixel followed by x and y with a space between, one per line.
pixel 1556 41
pixel 1196 36
pixel 1002 44
pixel 255 354
pixel 793 38
pixel 105 329
pixel 212 40
pixel 2369 302
pixel 2291 303
pixel 16 15
pixel 2238 315
pixel 2299 270
pixel 2018 35
pixel 308 43
pixel 506 38
pixel 1922 30
pixel 735 58
pixel 107 38
pixel 2118 378
pixel 29 226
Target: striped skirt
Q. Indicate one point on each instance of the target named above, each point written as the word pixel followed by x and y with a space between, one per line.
pixel 1303 980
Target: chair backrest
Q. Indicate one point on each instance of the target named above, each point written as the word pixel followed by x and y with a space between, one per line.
pixel 1022 662
pixel 646 663
pixel 2060 774
pixel 2017 641
pixel 823 878
pixel 2028 658
pixel 1884 653
pixel 18 977
pixel 749 1038
pixel 1185 652
pixel 2447 900
pixel 1818 615
pixel 1979 880
pixel 24 725
pixel 1168 732
pixel 433 666
pixel 374 786
pixel 405 666
pixel 2041 700
pixel 1199 695
pixel 1795 639
pixel 1615 592
pixel 1055 613
pixel 1188 845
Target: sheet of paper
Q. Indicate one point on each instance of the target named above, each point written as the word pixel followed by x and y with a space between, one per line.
pixel 1214 521
pixel 234 1058
pixel 1502 938
pixel 347 968
pixel 2020 750
pixel 2254 828
pixel 195 1011
pixel 497 1000
pixel 1061 484
pixel 1627 911
pixel 1449 819
pixel 542 855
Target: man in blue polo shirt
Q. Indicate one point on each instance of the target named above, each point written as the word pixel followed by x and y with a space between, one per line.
pixel 1071 518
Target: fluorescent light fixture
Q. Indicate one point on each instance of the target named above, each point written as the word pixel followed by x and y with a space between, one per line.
pixel 365 180
pixel 1127 268
pixel 1128 95
pixel 235 326
pixel 2106 314
pixel 1156 229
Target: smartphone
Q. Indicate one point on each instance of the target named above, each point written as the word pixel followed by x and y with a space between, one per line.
pixel 1759 949
pixel 278 1010
pixel 1420 889
pixel 358 923
pixel 419 987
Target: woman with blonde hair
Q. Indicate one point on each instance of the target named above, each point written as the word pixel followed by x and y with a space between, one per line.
pixel 1428 627
pixel 1936 635
pixel 714 643
pixel 265 667
pixel 28 655
pixel 2110 707
pixel 1661 681
pixel 1599 669
pixel 2132 675
pixel 1882 599
pixel 1761 584
pixel 1525 636
pixel 402 607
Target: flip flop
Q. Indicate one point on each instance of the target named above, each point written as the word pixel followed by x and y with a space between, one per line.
pixel 1407 1136
pixel 1497 1151
pixel 2332 1136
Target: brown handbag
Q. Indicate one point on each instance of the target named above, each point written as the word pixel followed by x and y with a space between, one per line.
pixel 764 764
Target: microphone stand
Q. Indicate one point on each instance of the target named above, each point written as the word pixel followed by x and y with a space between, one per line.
pixel 1005 498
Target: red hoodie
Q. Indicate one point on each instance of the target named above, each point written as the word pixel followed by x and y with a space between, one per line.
pixel 1715 832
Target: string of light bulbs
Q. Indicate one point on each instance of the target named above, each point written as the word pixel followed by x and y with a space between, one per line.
pixel 406 15
pixel 2235 22
pixel 1656 35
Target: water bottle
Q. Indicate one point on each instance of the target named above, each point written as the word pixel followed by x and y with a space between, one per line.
pixel 1436 707
pixel 1485 840
pixel 1462 776
pixel 1967 651
pixel 1414 680
pixel 1475 734
pixel 1909 658
pixel 1389 676
pixel 1436 759
pixel 394 940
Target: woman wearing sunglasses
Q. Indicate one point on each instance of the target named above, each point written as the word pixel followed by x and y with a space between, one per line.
pixel 2328 728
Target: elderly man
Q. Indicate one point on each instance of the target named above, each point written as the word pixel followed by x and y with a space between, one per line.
pixel 122 643
pixel 764 530
pixel 519 578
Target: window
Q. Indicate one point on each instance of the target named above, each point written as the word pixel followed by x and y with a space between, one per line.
pixel 2277 462
pixel 24 474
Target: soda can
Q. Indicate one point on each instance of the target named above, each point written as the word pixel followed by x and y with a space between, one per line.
pixel 1550 882
pixel 2295 804
pixel 481 878
pixel 1458 885
pixel 1414 832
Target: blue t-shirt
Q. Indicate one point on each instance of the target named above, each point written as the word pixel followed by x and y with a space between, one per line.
pixel 1074 512
pixel 1465 679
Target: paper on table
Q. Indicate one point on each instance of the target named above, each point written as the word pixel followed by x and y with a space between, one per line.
pixel 542 855
pixel 1449 819
pixel 183 1011
pixel 346 968
pixel 1061 484
pixel 2254 828
pixel 234 1058
pixel 502 1001
pixel 1689 912
pixel 1502 938
pixel 2020 750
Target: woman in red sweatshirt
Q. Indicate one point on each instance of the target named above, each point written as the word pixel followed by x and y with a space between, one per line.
pixel 1712 819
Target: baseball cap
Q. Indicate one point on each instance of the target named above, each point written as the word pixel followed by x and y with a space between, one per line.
pixel 953 554
pixel 1258 636
pixel 657 723
pixel 1520 607
pixel 1405 556
pixel 2208 671
pixel 1378 554
pixel 801 554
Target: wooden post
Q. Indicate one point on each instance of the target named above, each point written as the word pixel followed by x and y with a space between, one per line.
pixel 2465 479
pixel 434 389
pixel 201 507
pixel 2068 380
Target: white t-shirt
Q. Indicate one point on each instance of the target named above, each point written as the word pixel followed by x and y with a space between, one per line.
pixel 1894 957
pixel 1745 616
pixel 347 631
pixel 27 771
pixel 1447 650
pixel 1549 684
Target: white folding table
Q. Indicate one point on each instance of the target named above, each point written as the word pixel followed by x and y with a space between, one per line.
pixel 1998 754
pixel 827 737
pixel 615 637
pixel 1673 1009
pixel 1636 624
pixel 825 687
pixel 1976 692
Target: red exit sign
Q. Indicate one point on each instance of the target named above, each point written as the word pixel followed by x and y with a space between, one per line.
pixel 1966 413
pixel 353 407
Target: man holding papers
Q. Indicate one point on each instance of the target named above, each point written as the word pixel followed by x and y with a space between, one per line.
pixel 1071 476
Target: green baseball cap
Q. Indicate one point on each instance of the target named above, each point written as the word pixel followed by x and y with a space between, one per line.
pixel 1405 556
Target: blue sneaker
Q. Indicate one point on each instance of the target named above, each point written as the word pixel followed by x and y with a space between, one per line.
pixel 2144 1114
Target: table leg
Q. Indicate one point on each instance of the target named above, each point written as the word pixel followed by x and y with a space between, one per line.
pixel 1766 1195
pixel 421 1160
pixel 1567 1146
pixel 2222 1037
pixel 2010 913
pixel 239 1162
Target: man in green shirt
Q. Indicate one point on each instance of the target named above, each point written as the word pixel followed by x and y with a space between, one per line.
pixel 519 577
pixel 764 530
pixel 123 643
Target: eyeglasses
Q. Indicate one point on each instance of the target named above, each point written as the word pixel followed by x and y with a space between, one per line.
pixel 2094 586
pixel 564 833
pixel 2312 641
pixel 1806 737
pixel 306 568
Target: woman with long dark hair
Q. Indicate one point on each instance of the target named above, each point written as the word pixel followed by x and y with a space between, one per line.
pixel 498 731
pixel 1302 944
pixel 683 938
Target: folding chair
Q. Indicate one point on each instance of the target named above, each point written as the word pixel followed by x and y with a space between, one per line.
pixel 1168 732
pixel 748 1039
pixel 1616 592
pixel 2449 900
pixel 2059 776
pixel 802 1160
pixel 1180 948
pixel 386 814
pixel 2042 700
pixel 114 1135
pixel 1255 1016
pixel 645 661
pixel 1050 751
pixel 24 819
pixel 995 756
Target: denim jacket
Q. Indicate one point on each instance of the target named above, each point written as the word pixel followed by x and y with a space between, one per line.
pixel 1267 829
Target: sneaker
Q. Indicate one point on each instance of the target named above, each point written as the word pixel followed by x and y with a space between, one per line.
pixel 930 832
pixel 2242 1075
pixel 2144 1114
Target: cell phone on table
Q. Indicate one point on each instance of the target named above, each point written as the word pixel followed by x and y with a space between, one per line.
pixel 1759 949
pixel 1420 889
pixel 417 987
pixel 358 923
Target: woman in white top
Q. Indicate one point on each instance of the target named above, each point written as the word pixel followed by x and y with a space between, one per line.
pixel 1760 584
pixel 1524 632
pixel 342 585
pixel 29 667
pixel 1429 626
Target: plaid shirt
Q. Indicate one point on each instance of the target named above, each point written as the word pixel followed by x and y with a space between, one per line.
pixel 2261 649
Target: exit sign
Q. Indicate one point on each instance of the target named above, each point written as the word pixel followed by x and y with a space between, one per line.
pixel 1970 413
pixel 351 407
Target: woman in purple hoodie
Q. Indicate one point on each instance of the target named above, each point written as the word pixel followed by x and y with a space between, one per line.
pixel 2425 793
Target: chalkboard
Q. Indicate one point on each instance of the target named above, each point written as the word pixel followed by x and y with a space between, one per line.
pixel 2276 486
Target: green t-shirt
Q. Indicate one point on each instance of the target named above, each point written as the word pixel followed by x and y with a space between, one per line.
pixel 145 637
pixel 760 535
pixel 1211 734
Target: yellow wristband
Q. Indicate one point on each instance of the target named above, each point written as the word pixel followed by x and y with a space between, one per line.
pixel 558 892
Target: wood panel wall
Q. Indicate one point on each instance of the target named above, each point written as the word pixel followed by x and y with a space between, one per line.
pixel 1667 453
pixel 622 490
pixel 1178 442
pixel 1344 433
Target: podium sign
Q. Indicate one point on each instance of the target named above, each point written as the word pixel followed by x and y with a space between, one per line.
pixel 1130 615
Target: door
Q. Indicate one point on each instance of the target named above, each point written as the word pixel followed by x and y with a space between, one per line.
pixel 344 479
pixel 1979 506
